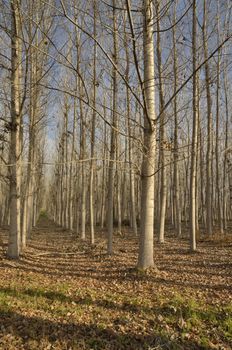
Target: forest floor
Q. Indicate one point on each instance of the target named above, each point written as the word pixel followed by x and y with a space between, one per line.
pixel 62 294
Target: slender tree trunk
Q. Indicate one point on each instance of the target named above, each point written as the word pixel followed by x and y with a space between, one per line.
pixel 198 158
pixel 202 177
pixel 225 157
pixel 119 187
pixel 131 171
pixel 209 130
pixel 193 173
pixel 110 209
pixel 29 189
pixel 92 162
pixel 163 184
pixel 146 258
pixel 176 152
pixel 72 168
pixel 15 167
pixel 82 149
pixel 103 187
pixel 133 220
pixel 66 164
pixel 218 178
pixel 83 174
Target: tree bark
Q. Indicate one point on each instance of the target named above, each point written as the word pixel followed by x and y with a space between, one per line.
pixel 209 130
pixel 92 162
pixel 176 190
pixel 110 209
pixel 15 167
pixel 146 258
pixel 163 151
pixel 193 173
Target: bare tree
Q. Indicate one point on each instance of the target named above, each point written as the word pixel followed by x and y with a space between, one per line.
pixel 145 258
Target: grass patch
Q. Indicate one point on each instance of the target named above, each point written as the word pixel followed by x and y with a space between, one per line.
pixel 177 318
pixel 192 316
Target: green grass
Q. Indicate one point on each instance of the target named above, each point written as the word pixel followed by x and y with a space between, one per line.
pixel 177 317
pixel 194 316
pixel 43 214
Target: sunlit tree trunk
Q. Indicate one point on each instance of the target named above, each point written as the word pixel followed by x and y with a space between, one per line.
pixel 163 151
pixel 130 146
pixel 83 183
pixel 225 160
pixel 111 173
pixel 118 175
pixel 176 189
pixel 193 172
pixel 83 170
pixel 29 188
pixel 66 163
pixel 209 130
pixel 92 162
pixel 104 162
pixel 15 166
pixel 217 151
pixel 146 258
pixel 72 168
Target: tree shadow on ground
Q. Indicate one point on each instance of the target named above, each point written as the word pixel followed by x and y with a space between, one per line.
pixel 103 273
pixel 85 299
pixel 78 300
pixel 37 333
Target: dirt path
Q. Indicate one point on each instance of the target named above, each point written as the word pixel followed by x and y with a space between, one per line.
pixel 65 295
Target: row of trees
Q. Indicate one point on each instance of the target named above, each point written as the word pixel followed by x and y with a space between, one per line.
pixel 95 69
pixel 23 106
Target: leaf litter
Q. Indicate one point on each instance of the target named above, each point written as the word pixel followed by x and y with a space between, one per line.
pixel 64 294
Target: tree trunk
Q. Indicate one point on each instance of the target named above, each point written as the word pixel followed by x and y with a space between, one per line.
pixel 209 131
pixel 218 177
pixel 163 151
pixel 176 193
pixel 110 209
pixel 193 173
pixel 92 162
pixel 15 167
pixel 145 258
